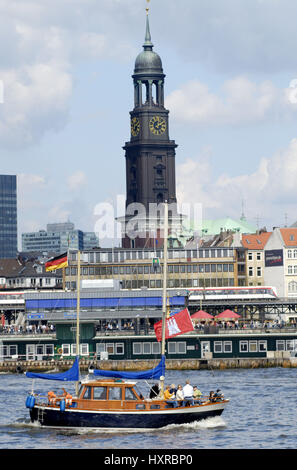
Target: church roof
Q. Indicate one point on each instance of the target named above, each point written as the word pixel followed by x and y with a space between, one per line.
pixel 148 61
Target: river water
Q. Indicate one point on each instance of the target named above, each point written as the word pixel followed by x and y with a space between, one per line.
pixel 261 415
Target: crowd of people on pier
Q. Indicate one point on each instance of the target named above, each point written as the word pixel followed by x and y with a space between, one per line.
pixel 113 326
pixel 28 329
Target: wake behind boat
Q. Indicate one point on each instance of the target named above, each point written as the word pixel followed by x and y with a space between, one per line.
pixel 113 402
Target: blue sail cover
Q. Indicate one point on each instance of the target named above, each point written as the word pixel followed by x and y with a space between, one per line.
pixel 148 374
pixel 70 375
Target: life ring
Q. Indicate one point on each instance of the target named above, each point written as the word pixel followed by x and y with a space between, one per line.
pixel 60 350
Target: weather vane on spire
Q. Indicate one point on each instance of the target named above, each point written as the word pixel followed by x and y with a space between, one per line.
pixel 147 8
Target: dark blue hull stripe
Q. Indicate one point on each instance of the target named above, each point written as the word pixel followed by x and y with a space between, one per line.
pixel 126 420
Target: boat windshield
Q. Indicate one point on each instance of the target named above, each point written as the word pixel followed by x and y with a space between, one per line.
pixel 115 393
pixel 129 394
pixel 100 393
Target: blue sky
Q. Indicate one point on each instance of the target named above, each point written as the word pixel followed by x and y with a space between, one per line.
pixel 230 67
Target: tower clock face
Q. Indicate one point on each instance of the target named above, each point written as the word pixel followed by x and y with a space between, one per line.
pixel 135 126
pixel 157 125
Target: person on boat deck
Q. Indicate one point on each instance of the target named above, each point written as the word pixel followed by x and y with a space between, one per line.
pixel 211 396
pixel 179 394
pixel 51 397
pixel 170 397
pixel 197 394
pixel 219 395
pixel 154 391
pixel 173 389
pixel 67 396
pixel 188 394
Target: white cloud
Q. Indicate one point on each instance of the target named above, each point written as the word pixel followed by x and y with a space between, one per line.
pixel 239 101
pixel 39 45
pixel 77 180
pixel 36 99
pixel 270 191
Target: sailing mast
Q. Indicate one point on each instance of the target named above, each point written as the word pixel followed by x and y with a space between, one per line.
pixel 77 314
pixel 164 303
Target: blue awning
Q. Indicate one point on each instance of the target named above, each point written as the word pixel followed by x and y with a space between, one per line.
pixel 155 373
pixel 70 375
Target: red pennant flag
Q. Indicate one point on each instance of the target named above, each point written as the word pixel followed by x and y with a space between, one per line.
pixel 176 325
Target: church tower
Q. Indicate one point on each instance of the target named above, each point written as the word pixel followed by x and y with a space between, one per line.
pixel 150 154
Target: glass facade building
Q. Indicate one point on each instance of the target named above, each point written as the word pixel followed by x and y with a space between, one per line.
pixel 59 238
pixel 8 216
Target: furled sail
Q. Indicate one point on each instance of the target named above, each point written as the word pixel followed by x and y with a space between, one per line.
pixel 155 373
pixel 70 375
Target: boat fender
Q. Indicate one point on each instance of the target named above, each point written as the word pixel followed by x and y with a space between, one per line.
pixel 62 405
pixel 30 402
pixel 19 369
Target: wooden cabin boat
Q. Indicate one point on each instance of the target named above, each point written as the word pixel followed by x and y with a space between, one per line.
pixel 115 404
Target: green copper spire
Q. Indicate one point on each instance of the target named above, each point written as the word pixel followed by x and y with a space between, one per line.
pixel 148 61
pixel 148 45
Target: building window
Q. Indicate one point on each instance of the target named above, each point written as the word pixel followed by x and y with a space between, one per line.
pixel 156 348
pixel 227 346
pixel 137 348
pixel 290 343
pixel 49 349
pixel 253 346
pixel 259 256
pixel 292 286
pixel 251 273
pixel 259 272
pixel 8 351
pixel 290 269
pixel 280 345
pixel 289 253
pixel 84 350
pixel 147 348
pixel 178 347
pixel 243 346
pixel 110 348
pixel 250 256
pixel 218 347
pixel 262 345
pixel 119 348
pixel 65 349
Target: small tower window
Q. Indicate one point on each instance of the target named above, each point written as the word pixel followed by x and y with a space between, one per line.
pixel 160 198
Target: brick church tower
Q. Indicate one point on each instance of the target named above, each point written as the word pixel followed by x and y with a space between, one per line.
pixel 150 155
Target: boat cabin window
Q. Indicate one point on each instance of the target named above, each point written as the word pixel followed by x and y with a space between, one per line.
pixel 100 393
pixel 115 393
pixel 129 395
pixel 87 393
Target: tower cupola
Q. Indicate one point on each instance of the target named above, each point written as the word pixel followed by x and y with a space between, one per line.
pixel 148 62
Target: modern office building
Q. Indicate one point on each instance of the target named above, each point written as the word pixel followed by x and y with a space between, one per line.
pixel 8 216
pixel 216 266
pixel 57 238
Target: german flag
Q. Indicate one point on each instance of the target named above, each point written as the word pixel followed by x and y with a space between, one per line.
pixel 58 262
